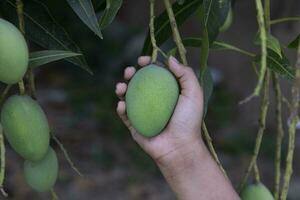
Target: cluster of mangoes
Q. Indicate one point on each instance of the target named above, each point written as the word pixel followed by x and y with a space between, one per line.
pixel 24 123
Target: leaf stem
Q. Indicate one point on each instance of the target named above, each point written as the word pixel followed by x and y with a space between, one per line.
pixel 4 93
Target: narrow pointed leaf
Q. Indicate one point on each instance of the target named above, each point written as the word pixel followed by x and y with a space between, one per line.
pixel 272 43
pixel 295 43
pixel 39 58
pixel 110 12
pixel 85 11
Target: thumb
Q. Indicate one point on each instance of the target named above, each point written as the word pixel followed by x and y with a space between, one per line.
pixel 187 79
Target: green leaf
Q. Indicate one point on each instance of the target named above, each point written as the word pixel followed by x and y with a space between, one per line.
pixel 42 28
pixel 217 45
pixel 39 58
pixel 85 11
pixel 162 24
pixel 214 14
pixel 111 10
pixel 272 43
pixel 295 43
pixel 207 85
pixel 280 65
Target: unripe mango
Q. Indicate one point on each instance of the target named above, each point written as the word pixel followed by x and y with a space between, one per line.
pixel 13 53
pixel 41 175
pixel 228 21
pixel 26 127
pixel 256 192
pixel 150 99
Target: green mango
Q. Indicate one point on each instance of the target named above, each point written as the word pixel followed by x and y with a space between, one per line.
pixel 14 54
pixel 151 97
pixel 228 21
pixel 256 192
pixel 42 175
pixel 26 127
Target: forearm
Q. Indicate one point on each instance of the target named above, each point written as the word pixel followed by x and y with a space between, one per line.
pixel 193 174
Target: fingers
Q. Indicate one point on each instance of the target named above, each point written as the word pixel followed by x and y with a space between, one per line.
pixel 129 72
pixel 121 110
pixel 144 60
pixel 186 76
pixel 121 90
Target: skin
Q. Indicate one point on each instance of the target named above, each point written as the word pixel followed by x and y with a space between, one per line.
pixel 179 150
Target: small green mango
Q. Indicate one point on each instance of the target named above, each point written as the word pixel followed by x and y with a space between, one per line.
pixel 13 53
pixel 256 192
pixel 150 99
pixel 41 175
pixel 228 21
pixel 26 127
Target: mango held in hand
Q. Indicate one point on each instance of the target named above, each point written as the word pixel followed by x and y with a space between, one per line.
pixel 41 175
pixel 13 53
pixel 26 127
pixel 256 192
pixel 150 99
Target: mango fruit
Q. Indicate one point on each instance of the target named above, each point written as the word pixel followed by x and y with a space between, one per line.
pixel 14 54
pixel 256 192
pixel 42 175
pixel 26 127
pixel 228 21
pixel 151 97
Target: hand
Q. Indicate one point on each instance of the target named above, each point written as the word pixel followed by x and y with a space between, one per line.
pixel 184 127
pixel 179 150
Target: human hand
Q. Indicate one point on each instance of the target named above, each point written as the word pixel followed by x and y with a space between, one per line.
pixel 179 150
pixel 183 130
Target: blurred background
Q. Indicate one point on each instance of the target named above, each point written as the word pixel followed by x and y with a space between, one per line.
pixel 81 107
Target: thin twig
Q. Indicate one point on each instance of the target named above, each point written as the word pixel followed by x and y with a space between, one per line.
pixel 152 31
pixel 262 124
pixel 263 39
pixel 176 34
pixel 256 173
pixel 54 195
pixel 292 129
pixel 211 148
pixel 4 93
pixel 2 168
pixel 286 19
pixel 20 11
pixel 279 136
pixel 61 146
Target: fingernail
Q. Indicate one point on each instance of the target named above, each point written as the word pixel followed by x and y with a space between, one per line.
pixel 173 59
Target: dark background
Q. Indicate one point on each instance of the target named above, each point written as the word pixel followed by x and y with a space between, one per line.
pixel 81 108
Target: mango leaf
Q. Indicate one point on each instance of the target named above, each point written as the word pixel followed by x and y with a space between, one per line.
pixel 162 23
pixel 207 85
pixel 42 29
pixel 295 43
pixel 272 43
pixel 85 11
pixel 214 14
pixel 216 45
pixel 280 65
pixel 110 12
pixel 39 58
